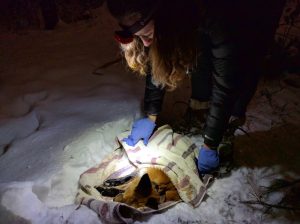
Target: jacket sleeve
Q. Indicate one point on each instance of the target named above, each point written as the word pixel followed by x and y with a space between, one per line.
pixel 224 70
pixel 153 97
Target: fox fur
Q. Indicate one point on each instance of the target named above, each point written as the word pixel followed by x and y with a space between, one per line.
pixel 151 188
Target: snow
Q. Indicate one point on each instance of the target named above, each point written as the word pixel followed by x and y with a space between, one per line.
pixel 58 119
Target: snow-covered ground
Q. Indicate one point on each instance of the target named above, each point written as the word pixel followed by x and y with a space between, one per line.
pixel 57 119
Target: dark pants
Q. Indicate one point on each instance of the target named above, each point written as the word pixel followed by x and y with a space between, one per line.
pixel 255 22
pixel 202 89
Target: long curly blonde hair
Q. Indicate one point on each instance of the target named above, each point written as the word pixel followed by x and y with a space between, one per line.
pixel 173 49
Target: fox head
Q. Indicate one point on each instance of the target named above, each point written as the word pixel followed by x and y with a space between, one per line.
pixel 150 190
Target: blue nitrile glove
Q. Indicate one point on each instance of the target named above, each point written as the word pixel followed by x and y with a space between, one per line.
pixel 141 129
pixel 208 160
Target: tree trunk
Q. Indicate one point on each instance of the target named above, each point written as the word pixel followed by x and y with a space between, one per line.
pixel 49 12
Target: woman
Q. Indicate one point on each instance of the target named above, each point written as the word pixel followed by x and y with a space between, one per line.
pixel 166 40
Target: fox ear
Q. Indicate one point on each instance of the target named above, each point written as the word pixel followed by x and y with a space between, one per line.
pixel 144 187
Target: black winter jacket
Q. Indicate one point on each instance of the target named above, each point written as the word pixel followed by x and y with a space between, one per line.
pixel 217 46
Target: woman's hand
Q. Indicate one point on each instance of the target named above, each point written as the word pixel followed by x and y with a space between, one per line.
pixel 141 129
pixel 208 160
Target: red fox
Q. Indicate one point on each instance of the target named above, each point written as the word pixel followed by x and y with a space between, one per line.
pixel 154 187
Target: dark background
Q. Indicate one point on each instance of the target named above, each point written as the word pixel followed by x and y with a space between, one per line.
pixel 16 15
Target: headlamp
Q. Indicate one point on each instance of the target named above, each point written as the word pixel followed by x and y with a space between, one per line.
pixel 126 35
